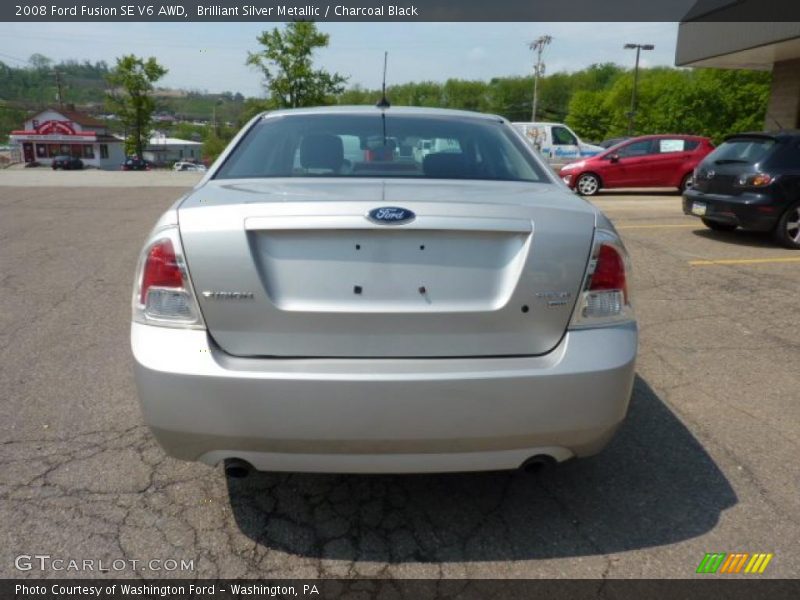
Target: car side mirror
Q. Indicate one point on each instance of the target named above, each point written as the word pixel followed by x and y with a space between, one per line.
pixel 614 158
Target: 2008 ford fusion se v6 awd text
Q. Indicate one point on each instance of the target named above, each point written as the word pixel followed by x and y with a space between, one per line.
pixel 382 289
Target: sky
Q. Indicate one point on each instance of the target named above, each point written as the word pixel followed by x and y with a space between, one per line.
pixel 211 56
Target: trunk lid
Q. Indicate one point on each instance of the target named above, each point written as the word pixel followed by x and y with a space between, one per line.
pixel 288 267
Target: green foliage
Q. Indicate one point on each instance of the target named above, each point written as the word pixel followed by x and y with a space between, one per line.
pixel 289 76
pixel 10 119
pixel 35 85
pixel 511 97
pixel 214 144
pixel 588 115
pixel 131 97
pixel 709 102
pixel 596 101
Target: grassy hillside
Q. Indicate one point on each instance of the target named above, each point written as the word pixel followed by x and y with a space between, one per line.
pixel 24 90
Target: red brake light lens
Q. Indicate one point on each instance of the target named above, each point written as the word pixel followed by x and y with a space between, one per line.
pixel 609 272
pixel 757 180
pixel 161 268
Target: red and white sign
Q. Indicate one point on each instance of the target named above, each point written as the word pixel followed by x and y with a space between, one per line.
pixel 56 127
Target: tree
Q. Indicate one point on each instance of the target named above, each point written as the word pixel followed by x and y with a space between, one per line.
pixel 130 97
pixel 40 62
pixel 588 115
pixel 285 61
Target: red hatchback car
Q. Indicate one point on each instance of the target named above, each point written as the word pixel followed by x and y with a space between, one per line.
pixel 646 161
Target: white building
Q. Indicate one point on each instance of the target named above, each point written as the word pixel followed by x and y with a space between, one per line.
pixel 163 150
pixel 56 132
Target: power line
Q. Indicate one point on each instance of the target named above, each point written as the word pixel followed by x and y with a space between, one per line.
pixel 15 58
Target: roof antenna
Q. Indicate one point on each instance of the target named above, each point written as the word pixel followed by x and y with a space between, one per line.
pixel 384 103
pixel 777 123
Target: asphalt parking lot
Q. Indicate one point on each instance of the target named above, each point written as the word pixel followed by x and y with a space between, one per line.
pixel 706 462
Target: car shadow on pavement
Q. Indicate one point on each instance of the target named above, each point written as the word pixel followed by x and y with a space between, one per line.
pixel 653 485
pixel 739 237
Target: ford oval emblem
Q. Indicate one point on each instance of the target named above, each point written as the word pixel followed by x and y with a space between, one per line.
pixel 391 215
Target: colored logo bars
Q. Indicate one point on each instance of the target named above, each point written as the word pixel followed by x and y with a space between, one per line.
pixel 721 562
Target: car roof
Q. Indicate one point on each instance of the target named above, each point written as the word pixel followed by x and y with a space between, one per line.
pixel 661 136
pixel 778 134
pixel 374 110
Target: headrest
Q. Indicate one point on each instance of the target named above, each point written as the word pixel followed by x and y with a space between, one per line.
pixel 445 165
pixel 321 151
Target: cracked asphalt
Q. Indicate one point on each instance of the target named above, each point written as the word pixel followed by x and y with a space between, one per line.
pixel 706 462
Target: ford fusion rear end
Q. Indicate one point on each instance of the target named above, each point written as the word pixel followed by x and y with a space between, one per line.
pixel 331 299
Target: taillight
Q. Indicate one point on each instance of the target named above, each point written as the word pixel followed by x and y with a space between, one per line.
pixel 755 180
pixel 160 268
pixel 163 293
pixel 605 297
pixel 609 271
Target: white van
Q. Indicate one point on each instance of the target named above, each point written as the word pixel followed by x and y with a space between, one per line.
pixel 557 142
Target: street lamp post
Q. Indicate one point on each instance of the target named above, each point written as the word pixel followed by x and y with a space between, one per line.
pixel 632 114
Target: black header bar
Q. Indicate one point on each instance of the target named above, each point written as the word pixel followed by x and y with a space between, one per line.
pixel 399 10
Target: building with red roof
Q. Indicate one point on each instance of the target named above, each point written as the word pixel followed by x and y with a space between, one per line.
pixel 58 132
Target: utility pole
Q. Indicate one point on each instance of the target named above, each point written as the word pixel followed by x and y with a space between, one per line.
pixel 538 46
pixel 60 92
pixel 214 116
pixel 632 113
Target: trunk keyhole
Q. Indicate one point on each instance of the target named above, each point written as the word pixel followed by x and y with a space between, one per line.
pixel 422 289
pixel 357 289
pixel 525 308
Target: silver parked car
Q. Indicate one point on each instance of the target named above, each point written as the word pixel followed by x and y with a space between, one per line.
pixel 326 300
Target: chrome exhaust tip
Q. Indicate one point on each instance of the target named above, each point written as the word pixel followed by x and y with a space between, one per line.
pixel 538 463
pixel 236 468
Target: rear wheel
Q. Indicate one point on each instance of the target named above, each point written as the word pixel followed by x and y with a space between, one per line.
pixel 787 232
pixel 717 226
pixel 686 183
pixel 588 184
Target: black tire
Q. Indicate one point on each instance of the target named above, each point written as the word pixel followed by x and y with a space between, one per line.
pixel 686 183
pixel 587 184
pixel 787 231
pixel 717 226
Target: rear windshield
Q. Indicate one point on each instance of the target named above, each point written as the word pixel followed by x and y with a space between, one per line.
pixel 742 150
pixel 347 145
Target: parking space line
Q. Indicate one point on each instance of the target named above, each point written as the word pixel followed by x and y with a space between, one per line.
pixel 674 226
pixel 743 261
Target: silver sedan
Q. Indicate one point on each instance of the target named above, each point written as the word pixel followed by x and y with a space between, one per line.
pixel 328 299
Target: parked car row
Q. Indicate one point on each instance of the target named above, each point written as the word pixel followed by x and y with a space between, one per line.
pixel 751 181
pixel 135 163
pixel 66 163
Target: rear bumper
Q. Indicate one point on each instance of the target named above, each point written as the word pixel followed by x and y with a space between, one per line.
pixel 756 212
pixel 383 415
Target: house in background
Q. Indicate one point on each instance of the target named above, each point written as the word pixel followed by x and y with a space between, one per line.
pixel 58 131
pixel 164 150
